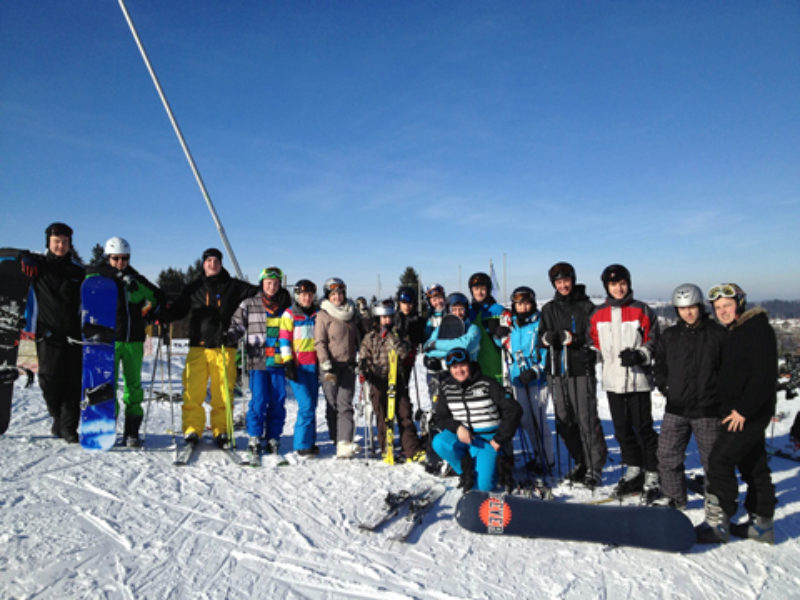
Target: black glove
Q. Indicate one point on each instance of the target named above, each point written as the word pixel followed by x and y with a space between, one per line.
pixel 527 376
pixel 631 357
pixel 551 339
pixel 229 339
pixel 290 369
pixel 129 280
pixel 29 264
pixel 432 364
pixel 565 337
pixel 501 332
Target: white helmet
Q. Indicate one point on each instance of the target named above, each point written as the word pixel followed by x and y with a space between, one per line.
pixel 383 308
pixel 687 294
pixel 117 245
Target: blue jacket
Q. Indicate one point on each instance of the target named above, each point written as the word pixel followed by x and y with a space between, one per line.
pixel 471 340
pixel 526 352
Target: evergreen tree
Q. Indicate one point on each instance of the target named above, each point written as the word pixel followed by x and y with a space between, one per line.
pixel 98 257
pixel 411 279
pixel 171 281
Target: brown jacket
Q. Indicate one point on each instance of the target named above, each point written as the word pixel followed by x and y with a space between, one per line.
pixel 374 353
pixel 336 334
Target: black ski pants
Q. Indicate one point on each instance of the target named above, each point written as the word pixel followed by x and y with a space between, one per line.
pixel 60 373
pixel 745 450
pixel 632 415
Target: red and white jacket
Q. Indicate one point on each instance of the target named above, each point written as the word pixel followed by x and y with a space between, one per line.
pixel 617 325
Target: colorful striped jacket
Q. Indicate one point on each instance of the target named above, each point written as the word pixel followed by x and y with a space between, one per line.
pixel 263 330
pixel 297 336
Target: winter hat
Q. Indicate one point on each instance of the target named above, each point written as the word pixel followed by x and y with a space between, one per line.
pixel 212 252
pixel 57 229
pixel 615 273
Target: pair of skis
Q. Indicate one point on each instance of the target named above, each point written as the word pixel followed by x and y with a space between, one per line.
pixel 413 505
pixel 186 453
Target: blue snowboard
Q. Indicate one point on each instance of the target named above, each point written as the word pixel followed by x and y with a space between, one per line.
pixel 656 528
pixel 98 428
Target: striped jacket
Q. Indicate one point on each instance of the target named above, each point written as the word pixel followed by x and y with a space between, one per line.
pixel 297 336
pixel 262 328
pixel 621 324
pixel 480 404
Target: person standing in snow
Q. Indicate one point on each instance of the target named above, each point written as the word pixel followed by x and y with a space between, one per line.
pixel 485 312
pixel 687 363
pixel 136 297
pixel 336 343
pixel 56 278
pixel 383 337
pixel 564 332
pixel 300 363
pixel 477 418
pixel 746 392
pixel 211 300
pixel 527 375
pixel 625 332
pixel 259 317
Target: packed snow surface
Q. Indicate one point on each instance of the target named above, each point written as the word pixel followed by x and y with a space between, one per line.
pixel 130 524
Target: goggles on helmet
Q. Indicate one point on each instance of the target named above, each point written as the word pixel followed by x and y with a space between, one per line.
pixel 455 356
pixel 271 273
pixel 725 290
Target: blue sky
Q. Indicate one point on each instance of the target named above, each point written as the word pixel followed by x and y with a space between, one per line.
pixel 357 138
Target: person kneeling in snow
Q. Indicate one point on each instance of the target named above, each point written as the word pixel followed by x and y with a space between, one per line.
pixel 477 417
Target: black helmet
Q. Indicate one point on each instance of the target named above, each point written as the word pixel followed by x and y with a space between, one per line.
pixel 304 285
pixel 406 293
pixel 615 273
pixel 57 228
pixel 561 270
pixel 480 278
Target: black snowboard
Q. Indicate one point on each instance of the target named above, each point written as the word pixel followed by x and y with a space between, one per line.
pixel 655 528
pixel 451 328
pixel 13 295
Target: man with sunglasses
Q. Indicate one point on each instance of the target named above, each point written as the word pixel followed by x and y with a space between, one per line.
pixel 136 299
pixel 210 300
pixel 259 317
pixel 477 417
pixel 746 392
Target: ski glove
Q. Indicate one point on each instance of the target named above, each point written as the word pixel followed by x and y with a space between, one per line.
pixel 130 281
pixel 550 339
pixel 432 364
pixel 30 265
pixel 528 375
pixel 229 339
pixel 501 332
pixel 290 370
pixel 631 357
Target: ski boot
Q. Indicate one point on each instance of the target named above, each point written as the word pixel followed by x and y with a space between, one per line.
pixel 593 479
pixel 220 440
pixel 760 529
pixel 466 481
pixel 576 474
pixel 346 449
pixel 130 433
pixel 309 452
pixel 716 528
pixel 651 488
pixel 631 482
pixel 272 446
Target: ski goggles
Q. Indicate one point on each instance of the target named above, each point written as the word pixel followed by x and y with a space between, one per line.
pixel 724 290
pixel 335 286
pixel 305 286
pixel 522 297
pixel 406 296
pixel 456 356
pixel 271 273
pixel 435 290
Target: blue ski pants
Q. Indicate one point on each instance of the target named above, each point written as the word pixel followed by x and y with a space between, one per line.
pixel 267 403
pixel 450 448
pixel 306 392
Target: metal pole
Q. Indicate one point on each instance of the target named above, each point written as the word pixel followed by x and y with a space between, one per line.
pixel 182 141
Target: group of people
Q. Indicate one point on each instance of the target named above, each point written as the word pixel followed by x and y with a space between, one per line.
pixel 490 378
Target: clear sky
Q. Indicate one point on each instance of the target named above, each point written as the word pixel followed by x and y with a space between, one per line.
pixel 357 138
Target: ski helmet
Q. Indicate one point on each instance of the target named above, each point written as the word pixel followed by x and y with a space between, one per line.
pixel 561 270
pixel 434 289
pixel 480 278
pixel 57 228
pixel 333 283
pixel 117 245
pixel 687 294
pixel 406 293
pixel 614 273
pixel 361 303
pixel 457 298
pixel 729 290
pixel 304 285
pixel 522 293
pixel 383 308
pixel 271 273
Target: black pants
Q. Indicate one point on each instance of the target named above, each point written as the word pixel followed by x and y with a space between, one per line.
pixel 746 450
pixel 60 380
pixel 632 416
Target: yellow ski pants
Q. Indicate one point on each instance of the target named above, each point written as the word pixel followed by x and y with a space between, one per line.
pixel 202 364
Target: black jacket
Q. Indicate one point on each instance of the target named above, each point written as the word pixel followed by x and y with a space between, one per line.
pixel 212 302
pixel 749 370
pixel 478 403
pixel 130 320
pixel 571 312
pixel 58 297
pixel 687 363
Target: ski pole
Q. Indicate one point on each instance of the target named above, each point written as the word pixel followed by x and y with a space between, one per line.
pixel 168 343
pixel 150 394
pixel 226 396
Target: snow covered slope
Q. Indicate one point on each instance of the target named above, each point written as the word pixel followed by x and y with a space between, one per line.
pixel 129 524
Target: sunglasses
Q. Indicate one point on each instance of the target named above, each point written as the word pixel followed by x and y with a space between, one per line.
pixel 725 290
pixel 458 355
pixel 125 258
